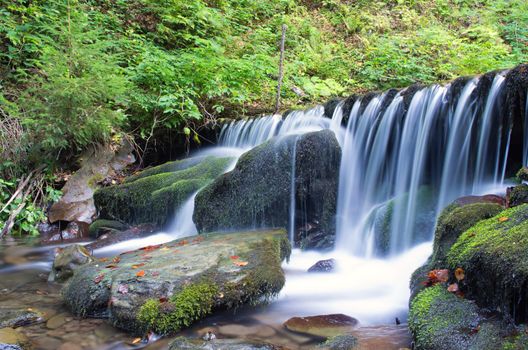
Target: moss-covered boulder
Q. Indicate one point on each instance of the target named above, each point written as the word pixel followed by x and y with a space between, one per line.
pixel 494 256
pixel 166 288
pixel 439 320
pixel 451 223
pixel 257 192
pixel 522 174
pixel 517 195
pixel 154 195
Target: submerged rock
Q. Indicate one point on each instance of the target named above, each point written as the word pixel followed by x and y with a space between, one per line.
pixel 340 342
pixel 11 339
pixel 182 343
pixel 166 288
pixel 323 325
pixel 323 266
pixel 67 260
pixel 257 192
pixel 12 317
pixel 154 195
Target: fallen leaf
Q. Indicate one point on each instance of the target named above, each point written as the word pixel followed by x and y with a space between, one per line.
pixel 182 243
pixel 453 288
pixel 150 247
pixel 116 260
pixel 234 257
pixel 138 265
pixel 103 259
pixel 503 219
pixel 111 266
pixel 165 248
pixel 99 278
pixel 136 340
pixel 198 240
pixel 146 257
pixel 459 274
pixel 123 289
pixel 155 273
pixel 163 300
pixel 240 263
pixel 436 276
pixel 140 273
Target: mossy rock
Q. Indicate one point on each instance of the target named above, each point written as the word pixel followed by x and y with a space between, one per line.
pixel 522 174
pixel 439 320
pixel 168 287
pixel 453 221
pixel 257 192
pixel 13 317
pixel 154 196
pixel 494 255
pixel 98 227
pixel 340 342
pixel 517 195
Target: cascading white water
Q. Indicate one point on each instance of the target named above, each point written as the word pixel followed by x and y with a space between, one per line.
pixel 401 167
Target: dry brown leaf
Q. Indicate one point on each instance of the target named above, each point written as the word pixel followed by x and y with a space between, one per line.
pixel 136 340
pixel 140 273
pixel 453 288
pixel 240 263
pixel 459 274
pixel 503 219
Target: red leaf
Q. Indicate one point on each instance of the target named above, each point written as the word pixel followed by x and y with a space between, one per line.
pixel 234 257
pixel 150 247
pixel 182 243
pixel 99 278
pixel 163 300
pixel 140 273
pixel 437 276
pixel 116 260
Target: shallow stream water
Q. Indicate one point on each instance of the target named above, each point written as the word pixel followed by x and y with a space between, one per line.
pixel 373 291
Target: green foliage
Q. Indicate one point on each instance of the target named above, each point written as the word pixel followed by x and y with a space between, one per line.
pixel 137 66
pixel 190 304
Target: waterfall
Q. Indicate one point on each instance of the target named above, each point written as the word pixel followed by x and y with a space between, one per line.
pixel 291 230
pixel 403 163
pixel 246 134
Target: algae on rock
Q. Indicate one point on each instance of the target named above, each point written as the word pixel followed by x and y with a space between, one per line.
pixel 257 192
pixel 154 195
pixel 175 284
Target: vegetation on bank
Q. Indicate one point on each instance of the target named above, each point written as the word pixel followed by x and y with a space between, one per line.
pixel 74 73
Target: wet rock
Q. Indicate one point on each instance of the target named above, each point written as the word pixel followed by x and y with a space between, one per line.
pixel 314 237
pixel 488 198
pixel 257 192
pixel 154 195
pixel 442 321
pixel 166 288
pixel 11 339
pixel 12 317
pixel 56 321
pixel 493 255
pixel 522 174
pixel 114 237
pixel 70 346
pixel 74 230
pixel 323 325
pixel 340 342
pixel 516 195
pixel 77 203
pixel 102 226
pixel 182 343
pixel 323 266
pixel 67 260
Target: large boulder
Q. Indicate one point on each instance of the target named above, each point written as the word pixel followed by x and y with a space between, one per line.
pixel 257 193
pixel 154 195
pixel 493 254
pixel 322 325
pixel 11 339
pixel 77 203
pixel 167 287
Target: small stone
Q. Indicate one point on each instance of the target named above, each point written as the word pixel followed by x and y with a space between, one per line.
pixel 11 339
pixel 56 321
pixel 323 325
pixel 11 317
pixel 323 266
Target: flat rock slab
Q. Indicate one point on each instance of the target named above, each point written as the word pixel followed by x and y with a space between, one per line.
pixel 219 344
pixel 322 325
pixel 11 339
pixel 208 271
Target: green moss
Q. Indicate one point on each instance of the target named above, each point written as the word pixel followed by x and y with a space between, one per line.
pixel 192 303
pixel 522 174
pixel 98 226
pixel 453 221
pixel 340 342
pixel 493 254
pixel 518 195
pixel 153 199
pixel 168 167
